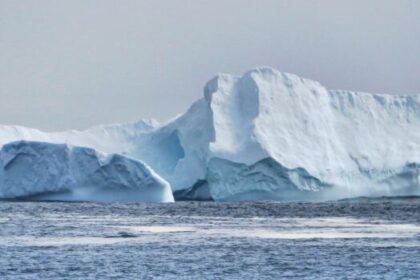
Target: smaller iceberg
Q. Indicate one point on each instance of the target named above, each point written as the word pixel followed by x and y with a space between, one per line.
pixel 45 171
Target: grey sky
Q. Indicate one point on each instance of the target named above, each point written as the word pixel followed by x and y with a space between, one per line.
pixel 73 64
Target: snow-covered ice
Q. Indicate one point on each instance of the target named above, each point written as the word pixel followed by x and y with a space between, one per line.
pixel 270 135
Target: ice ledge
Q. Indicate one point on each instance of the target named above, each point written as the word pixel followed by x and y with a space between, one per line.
pixel 44 171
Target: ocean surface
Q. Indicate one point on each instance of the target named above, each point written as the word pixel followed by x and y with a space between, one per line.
pixel 355 239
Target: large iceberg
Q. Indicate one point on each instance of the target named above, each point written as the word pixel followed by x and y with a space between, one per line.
pixel 270 135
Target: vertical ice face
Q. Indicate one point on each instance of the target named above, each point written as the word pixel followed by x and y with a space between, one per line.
pixel 234 105
pixel 272 134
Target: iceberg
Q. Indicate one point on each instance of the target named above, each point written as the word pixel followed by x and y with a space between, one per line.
pixel 45 171
pixel 273 135
pixel 269 135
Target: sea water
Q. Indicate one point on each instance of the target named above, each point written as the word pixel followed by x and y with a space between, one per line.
pixel 360 239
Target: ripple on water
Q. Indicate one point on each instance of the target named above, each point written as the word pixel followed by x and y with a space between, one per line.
pixel 209 240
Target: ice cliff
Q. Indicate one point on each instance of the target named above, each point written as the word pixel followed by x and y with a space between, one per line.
pixel 270 135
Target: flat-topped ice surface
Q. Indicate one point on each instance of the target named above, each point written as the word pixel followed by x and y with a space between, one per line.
pixel 271 135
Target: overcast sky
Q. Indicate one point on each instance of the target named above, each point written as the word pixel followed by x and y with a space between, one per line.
pixel 73 64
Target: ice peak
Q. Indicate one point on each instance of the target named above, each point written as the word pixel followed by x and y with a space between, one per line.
pixel 272 75
pixel 219 82
pixel 255 79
